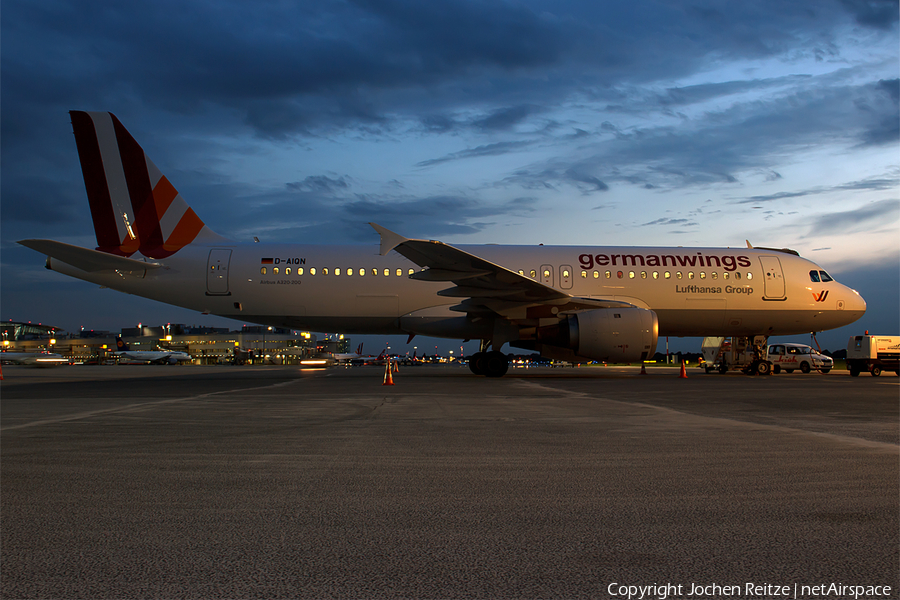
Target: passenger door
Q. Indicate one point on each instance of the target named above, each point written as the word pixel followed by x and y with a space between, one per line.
pixel 217 272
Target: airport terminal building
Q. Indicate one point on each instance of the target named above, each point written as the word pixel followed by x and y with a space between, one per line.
pixel 252 344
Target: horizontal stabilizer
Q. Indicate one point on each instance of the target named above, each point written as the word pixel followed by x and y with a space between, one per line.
pixel 85 258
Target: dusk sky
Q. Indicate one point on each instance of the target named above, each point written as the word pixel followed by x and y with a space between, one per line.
pixel 568 122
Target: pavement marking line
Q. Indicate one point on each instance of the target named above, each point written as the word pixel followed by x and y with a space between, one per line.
pixel 135 406
pixel 846 439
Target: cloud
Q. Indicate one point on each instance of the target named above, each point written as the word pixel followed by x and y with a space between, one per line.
pixel 883 212
pixel 320 184
pixel 496 149
pixel 878 183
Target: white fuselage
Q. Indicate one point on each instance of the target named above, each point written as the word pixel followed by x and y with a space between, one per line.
pixel 353 289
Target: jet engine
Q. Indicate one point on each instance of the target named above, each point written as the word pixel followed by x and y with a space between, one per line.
pixel 610 334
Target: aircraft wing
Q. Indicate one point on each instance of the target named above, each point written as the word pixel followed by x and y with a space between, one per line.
pixel 87 259
pixel 482 285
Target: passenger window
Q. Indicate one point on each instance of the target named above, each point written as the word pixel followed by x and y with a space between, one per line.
pixel 714 275
pixel 362 272
pixel 262 271
pixel 749 275
pixel 702 274
pixel 737 275
pixel 814 276
pixel 678 274
pixel 324 270
pixel 374 271
pixel 337 271
pixel 275 270
pixel 619 274
pixel 825 276
pixel 596 274
pixel 521 272
pixel 312 270
pixel 690 275
pixel 668 275
pixel 725 275
pixel 643 274
pixel 350 272
pixel 565 273
pixel 584 274
pixel 287 270
pixel 399 272
pixel 411 271
pixel 299 270
pixel 655 274
pixel 533 273
pixel 608 274
pixel 630 274
pixel 387 272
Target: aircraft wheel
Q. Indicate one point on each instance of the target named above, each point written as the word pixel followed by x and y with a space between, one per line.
pixel 776 369
pixel 804 367
pixel 723 368
pixel 764 367
pixel 876 370
pixel 496 364
pixel 477 362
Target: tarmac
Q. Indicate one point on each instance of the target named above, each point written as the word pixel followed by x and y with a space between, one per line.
pixel 593 482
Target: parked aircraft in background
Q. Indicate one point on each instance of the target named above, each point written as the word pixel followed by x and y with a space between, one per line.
pixel 34 359
pixel 349 356
pixel 162 357
pixel 567 302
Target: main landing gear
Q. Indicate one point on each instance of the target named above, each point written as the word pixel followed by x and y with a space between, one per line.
pixel 490 364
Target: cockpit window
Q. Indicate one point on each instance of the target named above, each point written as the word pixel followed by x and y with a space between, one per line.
pixel 814 276
pixel 825 276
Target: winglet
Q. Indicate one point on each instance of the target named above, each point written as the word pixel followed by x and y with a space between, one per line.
pixel 389 239
pixel 749 245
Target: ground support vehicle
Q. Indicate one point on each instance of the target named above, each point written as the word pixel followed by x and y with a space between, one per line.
pixel 789 357
pixel 737 353
pixel 873 353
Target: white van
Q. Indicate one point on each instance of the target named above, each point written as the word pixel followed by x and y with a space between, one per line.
pixel 787 357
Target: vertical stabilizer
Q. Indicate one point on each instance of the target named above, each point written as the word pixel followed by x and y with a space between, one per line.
pixel 134 207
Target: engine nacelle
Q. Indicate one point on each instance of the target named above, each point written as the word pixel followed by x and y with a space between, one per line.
pixel 611 334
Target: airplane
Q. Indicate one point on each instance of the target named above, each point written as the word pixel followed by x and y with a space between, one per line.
pixel 160 357
pixel 573 303
pixel 349 356
pixel 34 359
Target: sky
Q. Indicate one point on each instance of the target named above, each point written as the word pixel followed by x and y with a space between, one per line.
pixel 702 123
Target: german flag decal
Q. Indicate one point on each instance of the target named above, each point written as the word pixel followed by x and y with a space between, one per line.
pixel 267 261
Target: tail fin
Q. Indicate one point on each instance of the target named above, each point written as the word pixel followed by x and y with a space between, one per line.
pixel 359 350
pixel 133 205
pixel 121 346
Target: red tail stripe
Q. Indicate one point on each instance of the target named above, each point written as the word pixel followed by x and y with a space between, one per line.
pixel 185 232
pixel 145 221
pixel 95 183
pixel 163 195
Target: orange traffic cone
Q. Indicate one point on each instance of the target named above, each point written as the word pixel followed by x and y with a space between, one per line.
pixel 388 377
pixel 395 366
pixel 683 374
pixel 643 369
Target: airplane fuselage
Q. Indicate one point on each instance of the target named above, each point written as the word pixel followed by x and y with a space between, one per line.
pixel 353 289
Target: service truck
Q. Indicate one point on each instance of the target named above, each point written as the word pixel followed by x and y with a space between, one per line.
pixel 873 353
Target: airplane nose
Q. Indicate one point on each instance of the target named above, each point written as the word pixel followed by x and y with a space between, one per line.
pixel 855 303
